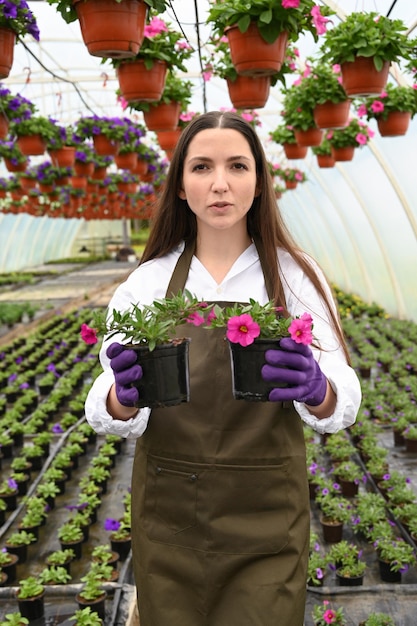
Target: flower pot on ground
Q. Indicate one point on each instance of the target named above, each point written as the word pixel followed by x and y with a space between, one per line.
pixel 92 594
pixel 86 617
pixel 365 44
pixel 395 556
pixel 8 563
pixel 378 619
pixel 30 598
pixel 18 543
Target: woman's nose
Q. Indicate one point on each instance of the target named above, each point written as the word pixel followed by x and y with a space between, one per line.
pixel 220 182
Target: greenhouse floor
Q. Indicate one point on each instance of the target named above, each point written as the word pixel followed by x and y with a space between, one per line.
pixel 73 286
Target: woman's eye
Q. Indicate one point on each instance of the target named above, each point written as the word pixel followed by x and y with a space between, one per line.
pixel 240 166
pixel 199 166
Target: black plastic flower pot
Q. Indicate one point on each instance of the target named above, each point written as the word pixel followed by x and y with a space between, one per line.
pixel 165 380
pixel 247 362
pixel 32 608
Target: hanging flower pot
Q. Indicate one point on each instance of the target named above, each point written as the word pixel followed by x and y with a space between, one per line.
pixel 361 78
pixel 126 160
pixel 325 160
pixel 138 84
pixel 105 146
pixel 140 168
pixel 78 182
pixel 249 92
pixel 165 380
pixel 63 157
pixel 14 167
pixel 332 114
pixel 31 145
pixel 110 28
pixel 395 125
pixel 294 151
pixel 83 169
pixel 345 153
pixel 98 173
pixel 7 44
pixel 168 139
pixel 309 137
pixel 252 55
pixel 163 116
pixel 291 184
pixel 4 125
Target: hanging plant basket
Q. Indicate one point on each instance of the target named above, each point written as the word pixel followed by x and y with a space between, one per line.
pixel 7 44
pixel 332 114
pixel 126 160
pixel 294 151
pixel 168 139
pixel 249 92
pixel 4 125
pixel 395 125
pixel 346 153
pixel 163 116
pixel 165 380
pixel 140 168
pixel 252 55
pixel 105 146
pixel 112 29
pixel 361 78
pixel 31 145
pixel 138 84
pixel 309 137
pixel 15 167
pixel 325 160
pixel 63 157
pixel 83 169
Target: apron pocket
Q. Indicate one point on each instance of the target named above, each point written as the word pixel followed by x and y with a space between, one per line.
pixel 170 500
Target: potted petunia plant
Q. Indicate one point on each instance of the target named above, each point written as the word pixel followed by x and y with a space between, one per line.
pixel 16 20
pixel 344 140
pixel 392 109
pixel 366 42
pixel 324 614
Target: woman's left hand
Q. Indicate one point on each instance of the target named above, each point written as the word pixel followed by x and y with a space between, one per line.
pixel 294 365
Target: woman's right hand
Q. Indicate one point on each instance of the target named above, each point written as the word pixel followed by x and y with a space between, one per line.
pixel 126 371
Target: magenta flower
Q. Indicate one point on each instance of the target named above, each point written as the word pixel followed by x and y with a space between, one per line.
pixel 242 329
pixel 361 139
pixel 319 20
pixel 155 27
pixel 377 106
pixel 89 335
pixel 290 4
pixel 329 616
pixel 362 110
pixel 196 319
pixel 300 329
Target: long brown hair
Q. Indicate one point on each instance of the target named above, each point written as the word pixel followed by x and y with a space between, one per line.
pixel 174 221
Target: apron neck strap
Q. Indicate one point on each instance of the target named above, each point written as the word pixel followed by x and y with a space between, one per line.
pixel 180 273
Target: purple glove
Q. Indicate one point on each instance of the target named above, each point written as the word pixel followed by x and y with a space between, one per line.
pixel 294 365
pixel 126 371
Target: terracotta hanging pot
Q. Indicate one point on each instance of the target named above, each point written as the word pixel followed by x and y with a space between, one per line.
pixel 138 84
pixel 249 92
pixel 252 55
pixel 291 184
pixel 168 139
pixel 105 146
pixel 294 151
pixel 309 137
pixel 63 157
pixel 83 169
pixel 345 153
pixel 163 116
pixel 31 145
pixel 4 125
pixel 98 173
pixel 332 114
pixel 395 125
pixel 325 160
pixel 361 78
pixel 110 28
pixel 7 44
pixel 126 160
pixel 140 168
pixel 15 167
pixel 78 182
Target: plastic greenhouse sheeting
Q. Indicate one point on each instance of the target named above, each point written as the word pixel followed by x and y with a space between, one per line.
pixel 358 219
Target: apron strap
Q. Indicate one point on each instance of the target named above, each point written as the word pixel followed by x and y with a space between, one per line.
pixel 180 273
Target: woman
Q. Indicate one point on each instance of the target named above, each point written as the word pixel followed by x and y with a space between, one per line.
pixel 220 505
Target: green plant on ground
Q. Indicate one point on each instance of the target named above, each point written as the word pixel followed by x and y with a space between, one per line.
pixel 86 617
pixel 30 587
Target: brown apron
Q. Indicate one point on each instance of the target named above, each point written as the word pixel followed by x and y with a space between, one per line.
pixel 220 504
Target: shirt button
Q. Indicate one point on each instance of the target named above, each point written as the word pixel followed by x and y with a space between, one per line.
pixel 219 290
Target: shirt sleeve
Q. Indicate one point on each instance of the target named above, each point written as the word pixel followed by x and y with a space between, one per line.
pixel 302 296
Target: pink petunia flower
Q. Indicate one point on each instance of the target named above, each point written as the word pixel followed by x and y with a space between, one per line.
pixel 329 616
pixel 300 329
pixel 362 110
pixel 377 106
pixel 242 329
pixel 88 335
pixel 319 20
pixel 196 319
pixel 361 139
pixel 290 4
pixel 155 27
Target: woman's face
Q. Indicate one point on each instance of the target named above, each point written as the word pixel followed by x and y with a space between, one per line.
pixel 219 178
